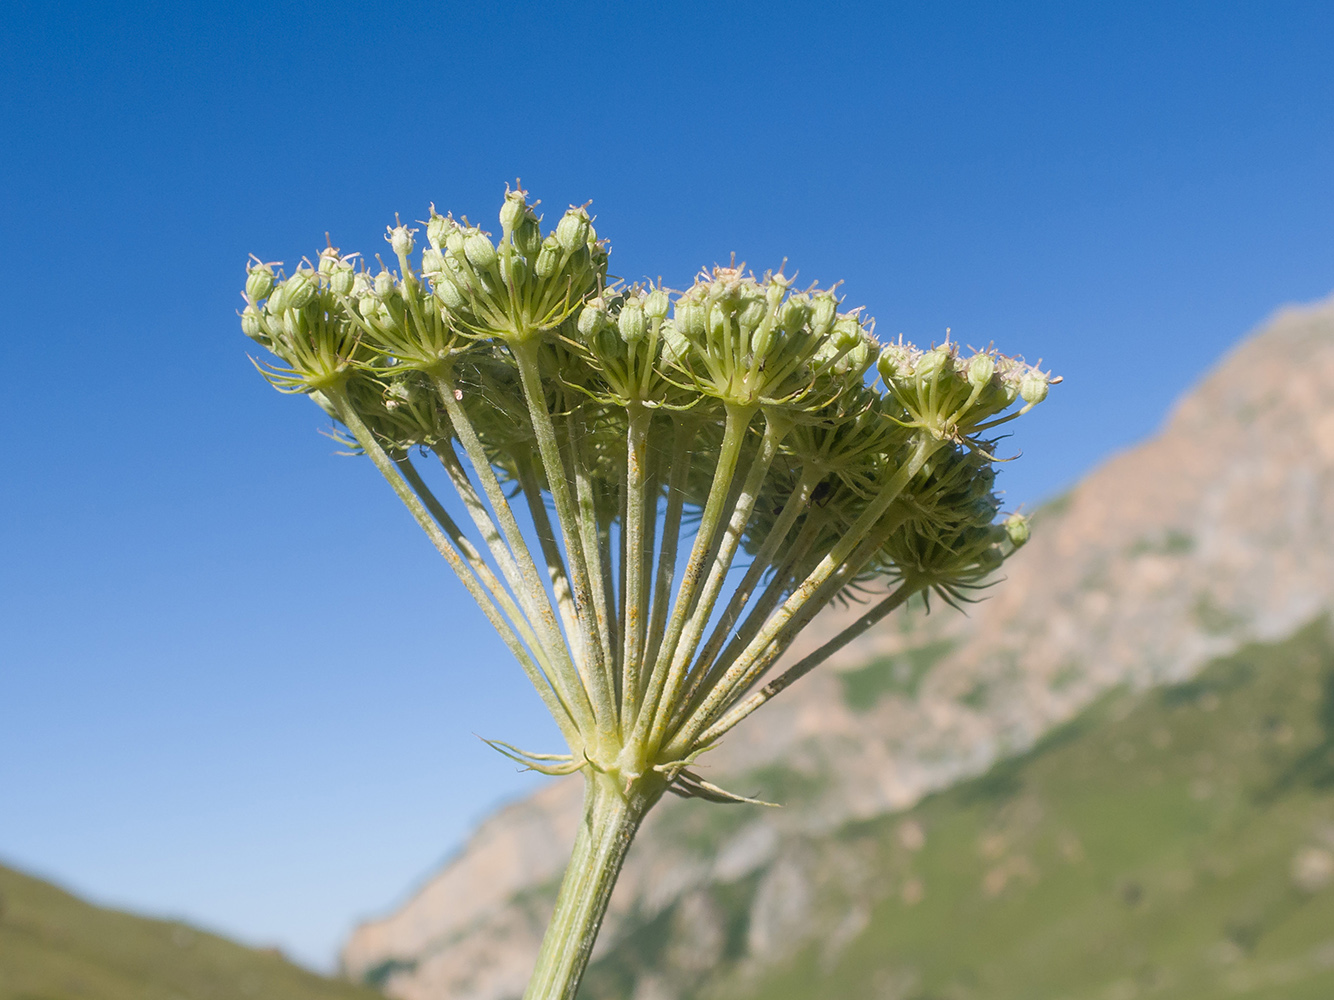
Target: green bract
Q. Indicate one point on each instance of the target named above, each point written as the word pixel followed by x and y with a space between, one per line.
pixel 614 451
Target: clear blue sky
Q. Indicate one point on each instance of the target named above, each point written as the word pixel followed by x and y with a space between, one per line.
pixel 235 685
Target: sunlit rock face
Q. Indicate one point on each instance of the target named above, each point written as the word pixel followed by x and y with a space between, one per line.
pixel 1214 533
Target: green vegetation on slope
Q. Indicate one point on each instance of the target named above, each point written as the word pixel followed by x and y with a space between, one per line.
pixel 1177 843
pixel 54 946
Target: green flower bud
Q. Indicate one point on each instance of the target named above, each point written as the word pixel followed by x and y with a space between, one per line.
pixel 591 320
pixel 294 324
pixel 361 285
pixel 824 309
pixel 1033 387
pixel 794 314
pixel 342 279
pixel 259 282
pixel 858 358
pixel 656 305
pixel 400 240
pixel 897 361
pixel 368 306
pixel 776 289
pixel 675 346
pixel 480 251
pixel 437 228
pixel 515 271
pixel 549 258
pixel 572 230
pixel 448 293
pixel 1017 529
pixel 934 362
pixel 512 212
pixel 580 260
pixel 455 240
pixel 847 333
pixel 277 300
pixel 717 320
pixel 299 289
pixel 631 321
pixel 433 261
pixel 753 309
pixel 384 285
pixel 528 236
pixel 690 319
pixel 980 369
pixel 251 325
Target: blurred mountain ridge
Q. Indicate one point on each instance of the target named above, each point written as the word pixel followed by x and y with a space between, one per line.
pixel 54 946
pixel 1212 535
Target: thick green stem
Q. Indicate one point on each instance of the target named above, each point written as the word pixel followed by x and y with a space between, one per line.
pixel 611 819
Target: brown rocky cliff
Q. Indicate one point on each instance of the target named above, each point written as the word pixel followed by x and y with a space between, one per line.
pixel 1213 533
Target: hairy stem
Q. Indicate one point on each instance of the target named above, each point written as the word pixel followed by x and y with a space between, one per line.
pixel 611 818
pixel 633 582
pixel 604 702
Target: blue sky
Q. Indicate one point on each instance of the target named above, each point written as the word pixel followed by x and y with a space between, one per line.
pixel 234 684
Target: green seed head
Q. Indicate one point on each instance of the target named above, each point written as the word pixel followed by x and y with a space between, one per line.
pixel 1017 529
pixel 480 251
pixel 592 318
pixel 632 322
pixel 259 282
pixel 299 289
pixel 794 314
pixel 1033 387
pixel 512 213
pixel 690 319
pixel 448 293
pixel 573 229
pixel 656 305
pixel 433 261
pixel 437 228
pixel 343 279
pixel 400 240
pixel 980 369
pixel 251 325
pixel 549 258
pixel 824 310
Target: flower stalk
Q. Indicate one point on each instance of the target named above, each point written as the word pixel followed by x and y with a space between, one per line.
pixel 592 434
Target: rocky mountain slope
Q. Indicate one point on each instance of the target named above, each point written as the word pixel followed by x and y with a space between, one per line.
pixel 54 946
pixel 1211 535
pixel 1172 843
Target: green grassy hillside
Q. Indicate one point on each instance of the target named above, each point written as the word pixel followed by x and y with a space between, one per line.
pixel 54 946
pixel 1177 843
